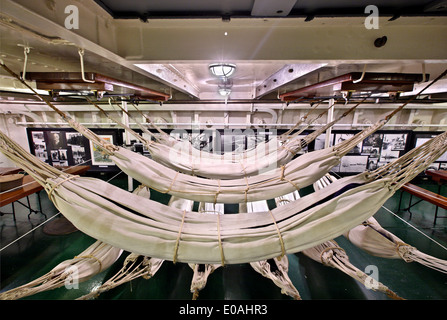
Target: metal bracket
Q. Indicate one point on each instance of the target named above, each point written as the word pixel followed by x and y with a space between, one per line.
pixel 81 55
pixel 363 75
pixel 26 50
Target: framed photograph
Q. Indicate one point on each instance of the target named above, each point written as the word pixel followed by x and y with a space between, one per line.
pixel 373 164
pixel 56 140
pixel 422 140
pixel 394 142
pixel 371 151
pixel 99 158
pixel 40 146
pixel 340 137
pixel 76 142
pixel 353 164
pixel 320 141
pixel 433 166
pixel 375 140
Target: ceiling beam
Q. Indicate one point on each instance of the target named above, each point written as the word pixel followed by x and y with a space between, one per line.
pixel 284 76
pixel 171 76
pixel 356 81
pixel 41 24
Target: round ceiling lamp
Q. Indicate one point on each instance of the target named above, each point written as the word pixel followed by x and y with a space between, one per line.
pixel 224 70
pixel 224 92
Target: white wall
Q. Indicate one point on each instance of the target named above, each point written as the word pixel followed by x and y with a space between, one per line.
pixel 17 133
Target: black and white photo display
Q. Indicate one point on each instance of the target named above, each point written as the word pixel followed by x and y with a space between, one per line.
pixel 40 146
pixel 76 142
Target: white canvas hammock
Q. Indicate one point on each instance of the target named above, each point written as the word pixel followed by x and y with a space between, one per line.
pixel 203 271
pixel 330 254
pixel 276 269
pixel 92 261
pixel 145 227
pixel 183 157
pixel 134 266
pixel 298 173
pixel 372 238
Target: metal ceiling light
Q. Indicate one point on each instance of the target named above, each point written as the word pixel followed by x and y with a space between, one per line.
pixel 224 70
pixel 224 92
pixel 224 87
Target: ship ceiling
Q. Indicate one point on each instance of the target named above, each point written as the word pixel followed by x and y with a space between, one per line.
pixel 160 51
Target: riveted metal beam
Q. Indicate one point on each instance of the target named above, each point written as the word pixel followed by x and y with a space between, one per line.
pixel 286 75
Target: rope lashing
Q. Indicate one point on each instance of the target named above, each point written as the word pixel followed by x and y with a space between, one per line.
pixel 222 257
pixel 281 241
pixel 50 192
pixel 177 242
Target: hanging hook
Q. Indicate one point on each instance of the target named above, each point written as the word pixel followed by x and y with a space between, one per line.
pixel 361 78
pixel 26 50
pixel 81 55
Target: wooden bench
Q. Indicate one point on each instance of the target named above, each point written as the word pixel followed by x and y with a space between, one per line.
pixel 30 186
pixel 423 195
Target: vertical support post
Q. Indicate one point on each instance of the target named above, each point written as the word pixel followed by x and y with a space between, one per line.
pixel 127 137
pixel 330 117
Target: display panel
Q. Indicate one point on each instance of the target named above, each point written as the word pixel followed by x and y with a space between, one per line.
pixel 420 138
pixel 61 147
pixel 375 151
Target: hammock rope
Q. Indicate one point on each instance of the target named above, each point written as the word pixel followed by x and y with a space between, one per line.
pixel 371 237
pixel 96 258
pixel 164 138
pixel 135 265
pixel 332 255
pixel 203 271
pixel 275 269
pixel 200 278
pixel 281 241
pixel 301 121
pixel 177 242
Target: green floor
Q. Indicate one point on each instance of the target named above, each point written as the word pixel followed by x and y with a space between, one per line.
pixel 36 253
